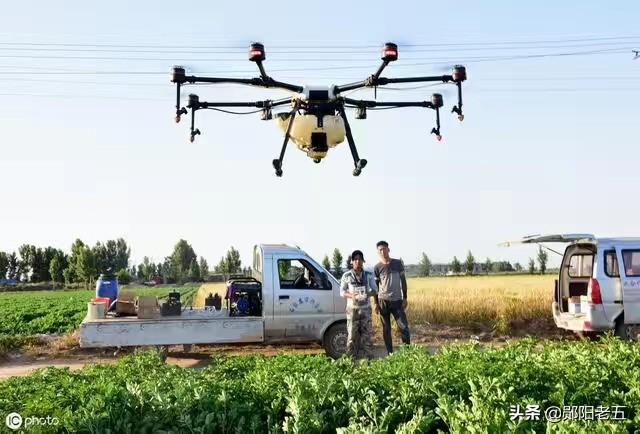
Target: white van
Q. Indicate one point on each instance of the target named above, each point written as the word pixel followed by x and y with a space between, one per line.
pixel 598 287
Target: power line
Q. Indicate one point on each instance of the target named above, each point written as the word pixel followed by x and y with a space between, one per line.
pixel 546 41
pixel 307 51
pixel 70 96
pixel 352 67
pixel 314 59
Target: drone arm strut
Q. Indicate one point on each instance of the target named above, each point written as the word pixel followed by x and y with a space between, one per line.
pixel 434 104
pixel 381 81
pixel 258 104
pixel 373 104
pixel 277 163
pixel 262 81
pixel 195 104
pixel 357 162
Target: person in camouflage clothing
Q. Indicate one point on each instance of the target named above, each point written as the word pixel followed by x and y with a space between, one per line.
pixel 357 286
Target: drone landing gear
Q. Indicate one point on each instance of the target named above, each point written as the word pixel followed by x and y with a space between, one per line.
pixel 277 163
pixel 357 162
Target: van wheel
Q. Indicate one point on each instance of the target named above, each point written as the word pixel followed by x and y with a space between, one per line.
pixel 335 340
pixel 627 332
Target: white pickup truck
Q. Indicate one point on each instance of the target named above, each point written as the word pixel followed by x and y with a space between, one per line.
pixel 300 302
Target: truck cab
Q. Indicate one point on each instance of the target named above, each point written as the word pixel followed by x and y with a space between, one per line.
pixel 598 285
pixel 300 302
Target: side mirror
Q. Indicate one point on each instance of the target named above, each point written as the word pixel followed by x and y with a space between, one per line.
pixel 326 283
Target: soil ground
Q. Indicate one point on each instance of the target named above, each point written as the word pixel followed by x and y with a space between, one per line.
pixel 64 352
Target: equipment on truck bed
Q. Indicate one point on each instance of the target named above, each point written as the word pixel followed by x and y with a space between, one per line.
pixel 173 306
pixel 315 119
pixel 126 304
pixel 244 296
pixel 213 301
pixel 147 307
pixel 107 287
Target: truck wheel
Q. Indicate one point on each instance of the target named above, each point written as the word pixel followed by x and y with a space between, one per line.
pixel 335 340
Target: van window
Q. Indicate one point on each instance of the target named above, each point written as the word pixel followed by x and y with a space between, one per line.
pixel 631 259
pixel 581 266
pixel 611 264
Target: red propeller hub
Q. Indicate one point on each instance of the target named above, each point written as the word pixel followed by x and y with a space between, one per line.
pixel 390 52
pixel 256 52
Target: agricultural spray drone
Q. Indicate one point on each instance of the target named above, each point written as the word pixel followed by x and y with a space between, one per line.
pixel 316 118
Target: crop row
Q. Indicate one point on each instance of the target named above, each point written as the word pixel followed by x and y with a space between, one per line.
pixel 461 389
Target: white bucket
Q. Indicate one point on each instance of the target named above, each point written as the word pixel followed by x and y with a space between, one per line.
pixel 95 310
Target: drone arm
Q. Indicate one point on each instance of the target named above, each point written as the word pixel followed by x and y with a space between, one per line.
pixel 196 104
pixel 442 78
pixel 374 80
pixel 373 104
pixel 358 163
pixel 262 81
pixel 434 104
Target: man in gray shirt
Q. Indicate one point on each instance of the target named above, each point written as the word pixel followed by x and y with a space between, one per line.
pixel 391 298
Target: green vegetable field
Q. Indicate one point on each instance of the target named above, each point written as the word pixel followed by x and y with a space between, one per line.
pixel 24 314
pixel 461 389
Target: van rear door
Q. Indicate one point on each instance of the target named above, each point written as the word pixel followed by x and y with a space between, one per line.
pixel 555 238
pixel 629 263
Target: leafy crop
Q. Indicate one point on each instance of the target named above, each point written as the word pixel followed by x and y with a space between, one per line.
pixel 462 389
pixel 24 314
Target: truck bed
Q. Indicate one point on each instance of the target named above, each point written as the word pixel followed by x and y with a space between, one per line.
pixel 192 327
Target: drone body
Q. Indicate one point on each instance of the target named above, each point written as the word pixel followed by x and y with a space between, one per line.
pixel 316 119
pixel 318 127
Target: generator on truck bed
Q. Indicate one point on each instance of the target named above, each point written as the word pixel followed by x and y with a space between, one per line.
pixel 290 298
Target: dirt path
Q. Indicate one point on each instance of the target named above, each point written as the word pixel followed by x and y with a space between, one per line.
pixel 23 365
pixel 63 352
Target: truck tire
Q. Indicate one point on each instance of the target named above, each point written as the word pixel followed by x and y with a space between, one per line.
pixel 335 340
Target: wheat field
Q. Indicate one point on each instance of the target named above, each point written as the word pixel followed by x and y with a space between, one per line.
pixel 494 301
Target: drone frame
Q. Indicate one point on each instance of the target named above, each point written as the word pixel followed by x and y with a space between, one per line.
pixel 257 55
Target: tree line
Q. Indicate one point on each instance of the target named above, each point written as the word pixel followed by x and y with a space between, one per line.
pixel 469 266
pixel 84 264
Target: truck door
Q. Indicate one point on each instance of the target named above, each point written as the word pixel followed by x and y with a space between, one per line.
pixel 629 262
pixel 302 303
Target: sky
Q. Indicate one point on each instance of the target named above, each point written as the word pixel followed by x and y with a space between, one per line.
pixel 89 148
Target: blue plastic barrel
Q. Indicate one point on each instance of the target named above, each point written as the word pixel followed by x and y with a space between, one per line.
pixel 107 287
